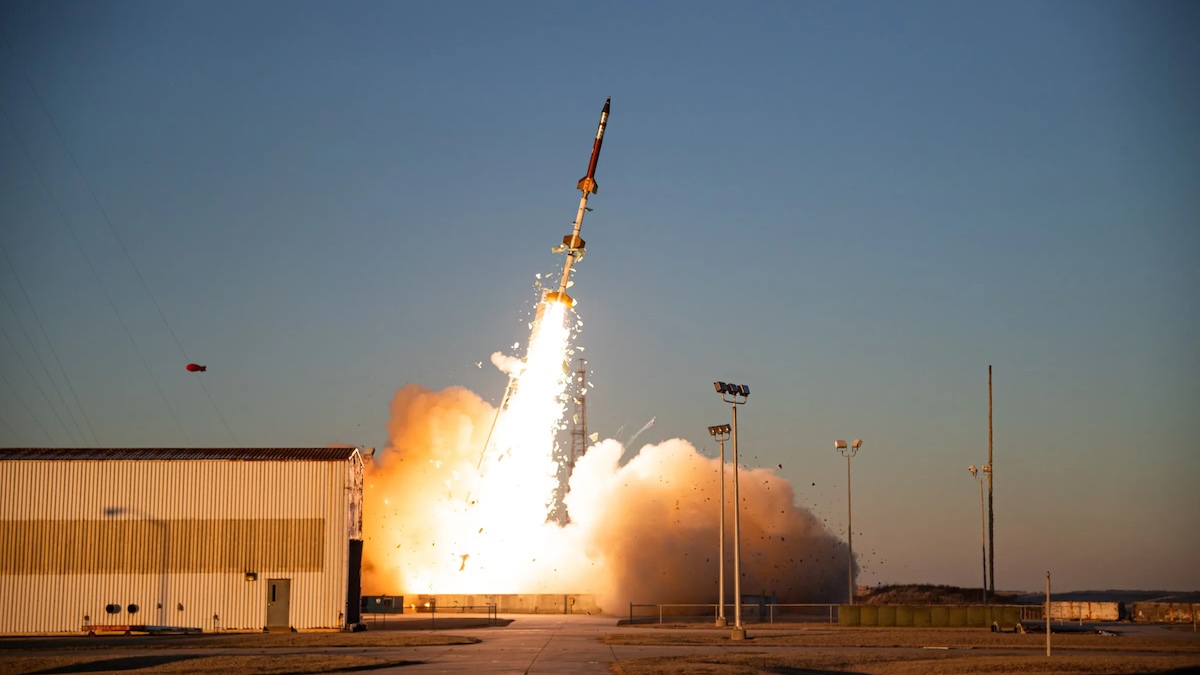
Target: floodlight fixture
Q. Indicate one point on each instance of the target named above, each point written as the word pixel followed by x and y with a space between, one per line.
pixel 719 432
pixel 978 474
pixel 735 395
pixel 729 390
pixel 849 451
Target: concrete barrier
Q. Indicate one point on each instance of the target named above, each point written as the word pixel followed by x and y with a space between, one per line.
pixel 1165 612
pixel 1005 617
pixel 1085 611
pixel 515 603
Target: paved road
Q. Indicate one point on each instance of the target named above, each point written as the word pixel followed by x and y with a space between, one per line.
pixel 530 644
pixel 545 644
pixel 522 643
pixel 538 644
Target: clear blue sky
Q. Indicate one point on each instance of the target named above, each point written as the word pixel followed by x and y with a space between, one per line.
pixel 853 207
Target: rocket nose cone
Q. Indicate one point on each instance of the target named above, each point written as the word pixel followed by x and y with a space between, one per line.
pixel 607 102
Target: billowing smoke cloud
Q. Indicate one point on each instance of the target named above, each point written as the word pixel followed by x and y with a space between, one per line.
pixel 641 531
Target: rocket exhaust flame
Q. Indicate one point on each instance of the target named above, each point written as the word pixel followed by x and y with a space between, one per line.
pixel 439 517
pixel 643 528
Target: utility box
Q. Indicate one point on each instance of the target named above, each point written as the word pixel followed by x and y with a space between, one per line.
pixel 383 604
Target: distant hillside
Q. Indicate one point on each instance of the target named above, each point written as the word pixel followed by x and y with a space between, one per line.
pixel 940 594
pixel 929 594
pixel 1126 597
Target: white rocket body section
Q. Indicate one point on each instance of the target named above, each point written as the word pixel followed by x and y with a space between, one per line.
pixel 572 244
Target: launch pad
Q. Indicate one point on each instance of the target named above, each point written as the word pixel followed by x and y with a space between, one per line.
pixel 500 603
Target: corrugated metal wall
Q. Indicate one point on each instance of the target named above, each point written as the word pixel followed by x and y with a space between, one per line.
pixel 189 542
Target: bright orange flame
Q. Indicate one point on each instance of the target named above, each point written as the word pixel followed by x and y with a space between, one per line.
pixel 437 519
pixel 494 537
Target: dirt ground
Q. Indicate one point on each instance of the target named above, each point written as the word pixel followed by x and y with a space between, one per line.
pixel 825 663
pixel 73 654
pixel 806 649
pixel 248 664
pixel 813 649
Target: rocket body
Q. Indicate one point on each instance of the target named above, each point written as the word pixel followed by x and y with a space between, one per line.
pixel 573 244
pixel 588 183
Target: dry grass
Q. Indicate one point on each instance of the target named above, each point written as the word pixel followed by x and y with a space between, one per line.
pixel 233 641
pixel 259 664
pixel 49 655
pixel 901 651
pixel 907 663
pixel 801 635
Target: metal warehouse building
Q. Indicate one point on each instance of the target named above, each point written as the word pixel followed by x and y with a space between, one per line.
pixel 211 539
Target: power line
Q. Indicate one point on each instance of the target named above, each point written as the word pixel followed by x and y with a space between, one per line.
pixel 37 320
pixel 26 407
pixel 36 381
pixel 108 221
pixel 20 439
pixel 95 275
pixel 214 405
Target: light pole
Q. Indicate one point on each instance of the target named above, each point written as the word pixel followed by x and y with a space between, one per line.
pixel 720 433
pixel 978 474
pixel 730 393
pixel 849 452
pixel 117 511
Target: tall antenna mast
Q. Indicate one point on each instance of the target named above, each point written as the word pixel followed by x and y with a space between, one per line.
pixel 579 434
pixel 991 514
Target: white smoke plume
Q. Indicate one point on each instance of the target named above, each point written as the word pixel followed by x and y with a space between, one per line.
pixel 641 530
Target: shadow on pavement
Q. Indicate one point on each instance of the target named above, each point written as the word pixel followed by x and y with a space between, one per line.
pixel 116 665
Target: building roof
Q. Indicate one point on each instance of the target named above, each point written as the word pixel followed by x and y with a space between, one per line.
pixel 229 454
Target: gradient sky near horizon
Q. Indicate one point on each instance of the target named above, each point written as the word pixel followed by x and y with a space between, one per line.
pixel 852 207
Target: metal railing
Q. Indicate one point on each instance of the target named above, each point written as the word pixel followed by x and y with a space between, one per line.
pixel 758 612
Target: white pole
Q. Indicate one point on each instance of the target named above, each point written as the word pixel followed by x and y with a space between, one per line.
pixel 721 620
pixel 983 543
pixel 1047 613
pixel 738 633
pixel 850 531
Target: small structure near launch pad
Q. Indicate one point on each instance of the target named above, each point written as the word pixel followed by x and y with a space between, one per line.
pixel 180 539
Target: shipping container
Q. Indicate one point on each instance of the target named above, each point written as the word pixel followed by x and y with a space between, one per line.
pixel 221 539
